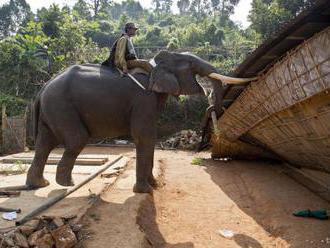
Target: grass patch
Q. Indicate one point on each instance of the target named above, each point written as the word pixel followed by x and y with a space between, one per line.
pixel 197 161
pixel 17 168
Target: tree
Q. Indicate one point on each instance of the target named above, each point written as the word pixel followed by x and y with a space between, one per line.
pixel 151 19
pixel 294 6
pixel 81 9
pixel 122 21
pixel 23 61
pixel 167 4
pixel 13 15
pixel 266 16
pixel 51 20
pixel 157 4
pixel 98 6
pixel 214 35
pixel 132 8
pixel 183 6
pixel 116 10
pixel 224 8
pixel 200 8
pixel 163 5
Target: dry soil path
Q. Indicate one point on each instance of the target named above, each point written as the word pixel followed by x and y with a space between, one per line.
pixel 254 200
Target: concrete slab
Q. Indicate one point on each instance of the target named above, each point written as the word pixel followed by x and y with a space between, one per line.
pixel 76 203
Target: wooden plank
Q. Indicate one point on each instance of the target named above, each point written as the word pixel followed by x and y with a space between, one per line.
pixel 83 156
pixel 54 161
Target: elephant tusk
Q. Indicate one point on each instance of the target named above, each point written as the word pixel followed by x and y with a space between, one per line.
pixel 230 80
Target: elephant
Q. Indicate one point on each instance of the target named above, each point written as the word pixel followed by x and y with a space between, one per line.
pixel 94 101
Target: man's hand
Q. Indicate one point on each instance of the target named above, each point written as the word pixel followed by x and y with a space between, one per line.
pixel 123 72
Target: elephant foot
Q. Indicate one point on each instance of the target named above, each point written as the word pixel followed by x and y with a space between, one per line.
pixel 63 177
pixel 142 188
pixel 36 182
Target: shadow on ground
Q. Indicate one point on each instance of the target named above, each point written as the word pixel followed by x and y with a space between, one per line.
pixel 126 226
pixel 262 191
pixel 146 219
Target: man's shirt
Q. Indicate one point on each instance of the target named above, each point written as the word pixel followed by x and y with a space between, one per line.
pixel 123 43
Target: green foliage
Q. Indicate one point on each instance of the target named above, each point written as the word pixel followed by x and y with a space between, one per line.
pixel 267 16
pixel 42 48
pixel 51 20
pixel 163 5
pixel 173 44
pixel 183 6
pixel 12 16
pixel 14 105
pixel 82 10
pixel 185 112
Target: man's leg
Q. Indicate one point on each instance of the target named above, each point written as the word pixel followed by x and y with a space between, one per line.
pixel 141 63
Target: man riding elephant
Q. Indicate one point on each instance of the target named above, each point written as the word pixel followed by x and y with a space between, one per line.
pixel 123 55
pixel 92 101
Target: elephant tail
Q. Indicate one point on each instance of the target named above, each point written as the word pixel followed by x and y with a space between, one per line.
pixel 36 113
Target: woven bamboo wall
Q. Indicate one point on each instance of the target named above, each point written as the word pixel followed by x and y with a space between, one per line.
pixel 300 134
pixel 304 72
pixel 288 108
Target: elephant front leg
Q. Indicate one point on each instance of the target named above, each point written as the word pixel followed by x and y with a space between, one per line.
pixel 144 163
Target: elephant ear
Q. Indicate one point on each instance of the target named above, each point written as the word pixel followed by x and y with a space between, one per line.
pixel 164 81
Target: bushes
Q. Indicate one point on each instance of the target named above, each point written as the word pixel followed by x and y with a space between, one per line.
pixel 186 112
pixel 14 105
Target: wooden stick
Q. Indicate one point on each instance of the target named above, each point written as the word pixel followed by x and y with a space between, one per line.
pixel 9 193
pixel 55 199
pixel 16 188
pixel 17 210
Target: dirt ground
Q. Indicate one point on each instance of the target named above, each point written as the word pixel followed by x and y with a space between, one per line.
pixel 253 199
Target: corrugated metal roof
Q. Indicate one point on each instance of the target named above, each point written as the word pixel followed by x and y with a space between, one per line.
pixel 305 25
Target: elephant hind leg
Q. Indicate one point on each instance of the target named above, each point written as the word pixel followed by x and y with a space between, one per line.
pixel 73 146
pixel 65 166
pixel 45 143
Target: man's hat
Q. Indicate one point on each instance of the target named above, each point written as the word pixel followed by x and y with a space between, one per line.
pixel 130 25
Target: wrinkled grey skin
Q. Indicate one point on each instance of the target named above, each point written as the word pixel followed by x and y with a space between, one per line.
pixel 91 101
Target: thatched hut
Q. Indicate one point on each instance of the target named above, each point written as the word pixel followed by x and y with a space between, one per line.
pixel 287 110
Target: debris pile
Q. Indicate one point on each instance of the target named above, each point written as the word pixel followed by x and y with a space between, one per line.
pixel 185 139
pixel 45 232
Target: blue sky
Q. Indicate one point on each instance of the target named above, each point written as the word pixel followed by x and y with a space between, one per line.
pixel 240 15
